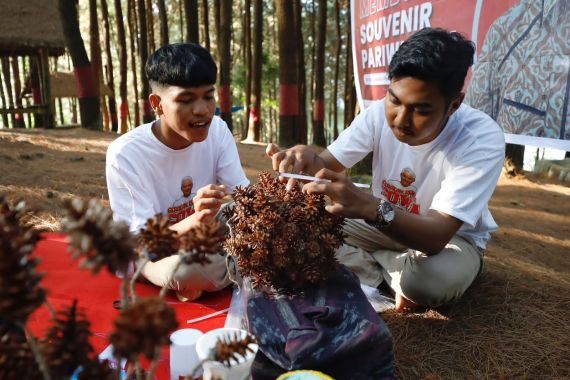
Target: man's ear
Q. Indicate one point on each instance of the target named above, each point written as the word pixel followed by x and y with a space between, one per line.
pixel 154 100
pixel 455 104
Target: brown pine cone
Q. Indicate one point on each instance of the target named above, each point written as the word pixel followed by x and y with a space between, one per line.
pixel 229 348
pixel 66 345
pixel 20 290
pixel 96 238
pixel 201 241
pixel 143 326
pixel 16 358
pixel 157 239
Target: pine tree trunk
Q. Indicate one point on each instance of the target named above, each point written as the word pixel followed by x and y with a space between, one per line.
pixel 224 51
pixel 122 47
pixel 349 88
pixel 336 71
pixel 217 21
pixel 143 53
pixel 191 10
pixel 88 90
pixel 302 79
pixel 256 66
pixel 319 104
pixel 248 68
pixel 95 45
pixel 163 23
pixel 5 62
pixel 110 80
pixel 150 26
pixel 288 76
pixel 19 118
pixel 133 32
pixel 206 23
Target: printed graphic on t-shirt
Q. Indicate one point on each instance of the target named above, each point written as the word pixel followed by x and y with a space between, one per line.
pixel 182 207
pixel 401 193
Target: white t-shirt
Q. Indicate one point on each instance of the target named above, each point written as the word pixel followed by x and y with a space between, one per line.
pixel 456 173
pixel 144 176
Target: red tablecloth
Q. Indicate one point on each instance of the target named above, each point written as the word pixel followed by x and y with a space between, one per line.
pixel 96 293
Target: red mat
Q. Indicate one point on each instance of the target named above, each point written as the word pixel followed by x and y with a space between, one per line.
pixel 96 293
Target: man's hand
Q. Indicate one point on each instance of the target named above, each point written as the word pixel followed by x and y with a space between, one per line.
pixel 297 159
pixel 345 198
pixel 210 198
pixel 203 216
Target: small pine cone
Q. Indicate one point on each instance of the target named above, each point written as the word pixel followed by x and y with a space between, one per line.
pixel 232 348
pixel 66 345
pixel 157 239
pixel 20 290
pixel 203 238
pixel 97 370
pixel 16 358
pixel 143 326
pixel 96 237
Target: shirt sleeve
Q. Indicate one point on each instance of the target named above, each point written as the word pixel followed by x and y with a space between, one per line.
pixel 471 179
pixel 229 171
pixel 360 138
pixel 128 197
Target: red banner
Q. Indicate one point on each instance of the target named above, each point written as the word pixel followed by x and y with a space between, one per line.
pixel 521 75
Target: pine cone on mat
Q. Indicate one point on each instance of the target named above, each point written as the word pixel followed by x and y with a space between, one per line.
pixel 20 290
pixel 141 327
pixel 96 238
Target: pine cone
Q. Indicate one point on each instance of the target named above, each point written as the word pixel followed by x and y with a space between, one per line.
pixel 66 345
pixel 16 358
pixel 283 240
pixel 201 241
pixel 232 348
pixel 157 238
pixel 20 290
pixel 143 326
pixel 95 236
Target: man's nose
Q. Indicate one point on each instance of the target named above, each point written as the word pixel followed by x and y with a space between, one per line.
pixel 200 108
pixel 403 117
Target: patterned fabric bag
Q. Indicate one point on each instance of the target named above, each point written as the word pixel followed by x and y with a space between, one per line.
pixel 331 328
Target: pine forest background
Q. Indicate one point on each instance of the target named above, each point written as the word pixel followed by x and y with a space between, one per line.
pixel 284 66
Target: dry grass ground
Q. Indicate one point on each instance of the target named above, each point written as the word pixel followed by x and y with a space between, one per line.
pixel 513 323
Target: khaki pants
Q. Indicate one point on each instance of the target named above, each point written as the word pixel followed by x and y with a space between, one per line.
pixel 425 280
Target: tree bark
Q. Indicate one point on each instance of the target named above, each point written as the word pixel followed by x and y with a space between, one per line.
pixel 288 74
pixel 336 71
pixel 5 61
pixel 163 23
pixel 302 128
pixel 89 104
pixel 206 23
pixel 143 54
pixel 349 88
pixel 110 80
pixel 248 67
pixel 131 17
pixel 95 46
pixel 319 103
pixel 122 47
pixel 224 51
pixel 191 10
pixel 150 26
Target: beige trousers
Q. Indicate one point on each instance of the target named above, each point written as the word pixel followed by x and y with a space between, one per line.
pixel 426 280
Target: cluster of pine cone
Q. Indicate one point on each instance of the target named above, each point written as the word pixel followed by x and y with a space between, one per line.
pixel 283 240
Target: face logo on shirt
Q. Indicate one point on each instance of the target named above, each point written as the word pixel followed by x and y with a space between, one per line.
pixel 402 193
pixel 183 207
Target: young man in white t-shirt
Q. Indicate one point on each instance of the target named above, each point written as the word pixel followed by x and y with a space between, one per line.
pixel 148 167
pixel 425 241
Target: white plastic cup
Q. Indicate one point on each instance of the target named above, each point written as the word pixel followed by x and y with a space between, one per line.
pixel 183 356
pixel 212 369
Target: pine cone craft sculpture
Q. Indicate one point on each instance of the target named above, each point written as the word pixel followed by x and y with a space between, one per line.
pixel 96 238
pixel 157 239
pixel 66 345
pixel 283 240
pixel 16 358
pixel 20 290
pixel 143 326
